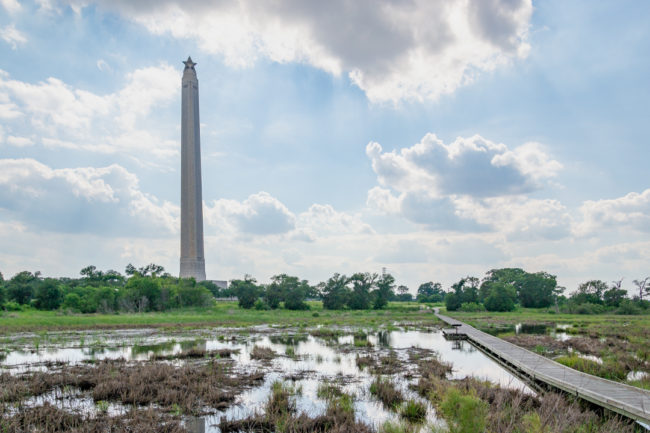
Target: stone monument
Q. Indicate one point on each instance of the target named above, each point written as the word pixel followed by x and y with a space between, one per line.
pixel 192 258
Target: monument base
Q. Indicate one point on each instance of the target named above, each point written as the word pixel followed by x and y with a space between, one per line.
pixel 193 268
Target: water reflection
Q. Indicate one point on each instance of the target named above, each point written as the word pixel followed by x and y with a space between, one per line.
pixel 309 362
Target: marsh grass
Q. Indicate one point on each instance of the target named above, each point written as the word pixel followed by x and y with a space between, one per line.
pixel 280 415
pixel 413 411
pixel 195 389
pixel 51 419
pixel 262 353
pixel 387 392
pixel 609 369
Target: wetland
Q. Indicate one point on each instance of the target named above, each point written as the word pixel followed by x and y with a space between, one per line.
pixel 395 376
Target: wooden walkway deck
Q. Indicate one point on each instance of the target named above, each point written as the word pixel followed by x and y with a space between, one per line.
pixel 624 399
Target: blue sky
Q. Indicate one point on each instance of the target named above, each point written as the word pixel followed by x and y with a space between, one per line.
pixel 434 138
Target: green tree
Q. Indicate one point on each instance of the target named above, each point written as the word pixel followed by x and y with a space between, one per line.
pixel 614 296
pixel 143 293
pixel 3 295
pixel 403 294
pixel 384 291
pixel 537 290
pixel 72 301
pixel 335 292
pixel 362 284
pixel 590 292
pixel 193 295
pixel 48 295
pixel 453 301
pixel 20 287
pixel 430 292
pixel 246 291
pixel 502 297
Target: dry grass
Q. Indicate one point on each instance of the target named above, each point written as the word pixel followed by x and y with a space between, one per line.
pixel 196 353
pixel 280 416
pixel 386 391
pixel 263 353
pixel 195 389
pixel 50 419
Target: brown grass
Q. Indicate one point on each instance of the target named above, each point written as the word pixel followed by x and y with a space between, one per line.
pixel 195 389
pixel 263 353
pixel 386 391
pixel 50 419
pixel 197 353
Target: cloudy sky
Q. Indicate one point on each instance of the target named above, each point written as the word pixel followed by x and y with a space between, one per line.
pixel 435 138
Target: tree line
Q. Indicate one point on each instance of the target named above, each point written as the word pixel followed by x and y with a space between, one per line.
pixel 150 288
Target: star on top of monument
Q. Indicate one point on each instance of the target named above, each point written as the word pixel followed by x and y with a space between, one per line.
pixel 189 64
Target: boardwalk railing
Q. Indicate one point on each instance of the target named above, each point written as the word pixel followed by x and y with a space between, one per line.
pixel 624 399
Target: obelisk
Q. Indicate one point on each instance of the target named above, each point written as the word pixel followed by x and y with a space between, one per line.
pixel 192 258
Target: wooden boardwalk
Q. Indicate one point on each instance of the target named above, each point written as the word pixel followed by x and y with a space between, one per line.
pixel 624 399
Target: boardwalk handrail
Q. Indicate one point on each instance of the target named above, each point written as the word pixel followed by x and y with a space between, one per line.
pixel 625 399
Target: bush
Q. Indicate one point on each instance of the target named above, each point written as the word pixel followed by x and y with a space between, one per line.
pixel 628 307
pixel 471 307
pixel 196 296
pixel 464 413
pixel 261 305
pixel 72 301
pixel 13 306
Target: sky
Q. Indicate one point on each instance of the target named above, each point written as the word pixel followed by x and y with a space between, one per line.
pixel 433 138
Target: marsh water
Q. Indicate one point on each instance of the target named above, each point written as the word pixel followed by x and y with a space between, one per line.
pixel 301 359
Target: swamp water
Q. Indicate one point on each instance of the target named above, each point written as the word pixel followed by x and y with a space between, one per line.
pixel 299 359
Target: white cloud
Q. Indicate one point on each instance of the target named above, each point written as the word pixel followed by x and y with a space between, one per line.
pixel 631 211
pixel 471 184
pixel 11 6
pixel 102 65
pixel 104 200
pixel 392 50
pixel 8 110
pixel 67 117
pixel 19 141
pixel 324 220
pixel 470 166
pixel 12 36
pixel 259 214
pixel 519 218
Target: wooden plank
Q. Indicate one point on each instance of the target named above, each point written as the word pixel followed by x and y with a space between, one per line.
pixel 624 399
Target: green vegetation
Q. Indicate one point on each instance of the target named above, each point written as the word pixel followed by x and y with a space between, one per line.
pixel 621 342
pixel 413 411
pixel 225 313
pixel 610 369
pixel 466 413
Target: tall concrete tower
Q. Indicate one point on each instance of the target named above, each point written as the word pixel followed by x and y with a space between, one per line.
pixel 192 258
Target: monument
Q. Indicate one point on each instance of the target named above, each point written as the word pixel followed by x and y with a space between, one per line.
pixel 192 258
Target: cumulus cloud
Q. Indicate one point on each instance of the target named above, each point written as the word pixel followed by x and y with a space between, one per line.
pixel 324 220
pixel 391 50
pixel 259 214
pixel 470 166
pixel 104 200
pixel 471 184
pixel 631 211
pixel 12 36
pixel 519 218
pixel 72 118
pixel 11 6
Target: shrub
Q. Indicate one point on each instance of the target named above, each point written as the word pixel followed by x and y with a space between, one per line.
pixel 471 307
pixel 464 413
pixel 261 305
pixel 414 411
